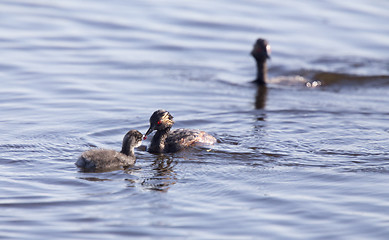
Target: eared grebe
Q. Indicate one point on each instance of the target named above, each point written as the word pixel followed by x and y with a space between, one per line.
pixel 165 140
pixel 261 52
pixel 96 159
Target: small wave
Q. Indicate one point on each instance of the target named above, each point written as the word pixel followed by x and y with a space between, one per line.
pixel 336 72
pixel 313 78
pixel 343 79
pixel 294 80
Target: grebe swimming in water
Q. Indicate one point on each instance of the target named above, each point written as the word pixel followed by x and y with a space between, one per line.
pixel 261 52
pixel 97 159
pixel 165 140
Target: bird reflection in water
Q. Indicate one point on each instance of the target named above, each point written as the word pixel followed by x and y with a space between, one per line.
pixel 261 97
pixel 163 174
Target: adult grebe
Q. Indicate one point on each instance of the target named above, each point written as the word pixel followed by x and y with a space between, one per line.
pixel 165 140
pixel 261 52
pixel 97 159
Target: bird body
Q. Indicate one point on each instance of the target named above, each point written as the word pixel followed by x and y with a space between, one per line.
pixel 104 158
pixel 98 159
pixel 166 140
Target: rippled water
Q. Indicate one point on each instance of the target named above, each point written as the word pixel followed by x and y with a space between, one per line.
pixel 292 162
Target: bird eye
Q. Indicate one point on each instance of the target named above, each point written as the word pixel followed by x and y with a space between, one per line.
pixel 159 122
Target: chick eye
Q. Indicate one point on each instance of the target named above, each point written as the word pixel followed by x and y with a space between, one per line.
pixel 159 122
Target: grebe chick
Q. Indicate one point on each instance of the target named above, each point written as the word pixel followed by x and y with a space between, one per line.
pixel 261 52
pixel 97 159
pixel 165 140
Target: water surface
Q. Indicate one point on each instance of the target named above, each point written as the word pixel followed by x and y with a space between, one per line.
pixel 292 162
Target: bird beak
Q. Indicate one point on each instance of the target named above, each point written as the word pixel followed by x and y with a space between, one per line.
pixel 151 129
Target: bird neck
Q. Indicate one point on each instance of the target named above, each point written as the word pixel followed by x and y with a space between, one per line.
pixel 159 139
pixel 261 72
pixel 128 149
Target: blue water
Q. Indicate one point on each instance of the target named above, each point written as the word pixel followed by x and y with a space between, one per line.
pixel 292 162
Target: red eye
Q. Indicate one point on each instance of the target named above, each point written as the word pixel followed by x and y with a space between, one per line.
pixel 159 122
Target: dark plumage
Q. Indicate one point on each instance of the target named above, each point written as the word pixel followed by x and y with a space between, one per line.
pixel 165 140
pixel 98 159
pixel 261 52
